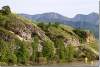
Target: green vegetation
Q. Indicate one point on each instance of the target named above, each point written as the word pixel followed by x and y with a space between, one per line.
pixel 48 50
pixel 95 45
pixel 7 53
pixel 35 49
pixel 23 42
pixel 60 48
pixel 70 52
pixel 22 52
pixel 5 10
pixel 81 34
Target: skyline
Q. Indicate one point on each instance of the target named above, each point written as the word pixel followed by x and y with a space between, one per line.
pixel 68 8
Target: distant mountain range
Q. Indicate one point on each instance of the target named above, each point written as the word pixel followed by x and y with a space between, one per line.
pixel 89 21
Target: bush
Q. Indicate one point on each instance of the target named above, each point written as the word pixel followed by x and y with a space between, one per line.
pixel 35 49
pixel 42 60
pixel 81 34
pixel 22 52
pixel 3 64
pixel 12 59
pixel 3 51
pixel 43 26
pixel 48 50
pixel 56 24
pixel 59 44
pixel 6 55
pixel 70 52
pixel 3 20
pixel 6 10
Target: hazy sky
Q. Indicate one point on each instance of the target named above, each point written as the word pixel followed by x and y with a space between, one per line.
pixel 67 8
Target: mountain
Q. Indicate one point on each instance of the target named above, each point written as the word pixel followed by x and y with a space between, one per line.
pixel 89 21
pixel 92 18
pixel 23 42
pixel 48 17
pixel 51 16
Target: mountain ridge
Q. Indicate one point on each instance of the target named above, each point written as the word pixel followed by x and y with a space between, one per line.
pixel 91 18
pixel 89 21
pixel 23 42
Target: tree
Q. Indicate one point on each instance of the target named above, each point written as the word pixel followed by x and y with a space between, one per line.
pixel 48 50
pixel 49 24
pixel 22 52
pixel 59 44
pixel 5 54
pixel 56 24
pixel 6 10
pixel 3 51
pixel 42 25
pixel 81 34
pixel 69 53
pixel 35 49
pixel 11 58
pixel 3 20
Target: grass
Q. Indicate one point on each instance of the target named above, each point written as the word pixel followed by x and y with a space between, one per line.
pixel 95 45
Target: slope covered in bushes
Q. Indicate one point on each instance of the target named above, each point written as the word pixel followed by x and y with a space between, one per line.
pixel 22 42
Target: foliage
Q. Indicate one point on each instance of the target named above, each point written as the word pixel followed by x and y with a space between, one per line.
pixel 70 52
pixel 11 58
pixel 3 64
pixel 56 24
pixel 22 52
pixel 3 20
pixel 48 50
pixel 15 51
pixel 6 10
pixel 81 34
pixel 6 55
pixel 35 49
pixel 95 45
pixel 43 26
pixel 59 44
pixel 3 51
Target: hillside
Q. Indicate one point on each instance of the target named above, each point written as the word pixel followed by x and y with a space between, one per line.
pixel 23 42
pixel 89 21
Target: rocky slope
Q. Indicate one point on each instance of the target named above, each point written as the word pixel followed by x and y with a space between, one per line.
pixel 22 41
pixel 89 21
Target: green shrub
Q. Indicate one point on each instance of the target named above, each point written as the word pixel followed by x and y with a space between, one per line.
pixel 3 51
pixel 6 10
pixel 35 49
pixel 56 24
pixel 60 49
pixel 3 64
pixel 22 52
pixel 3 20
pixel 81 34
pixel 12 59
pixel 48 50
pixel 70 52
